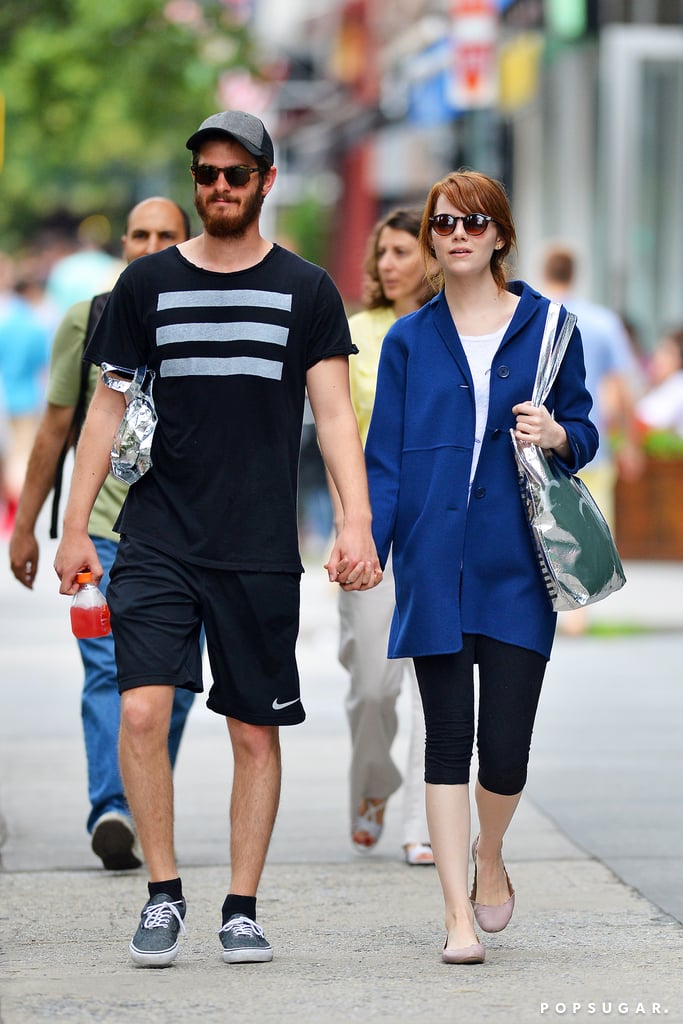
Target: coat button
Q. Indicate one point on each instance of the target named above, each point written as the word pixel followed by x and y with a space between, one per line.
pixel 496 434
pixel 503 371
pixel 480 492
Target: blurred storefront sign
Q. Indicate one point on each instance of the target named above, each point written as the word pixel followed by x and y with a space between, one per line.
pixel 519 70
pixel 474 75
pixel 428 74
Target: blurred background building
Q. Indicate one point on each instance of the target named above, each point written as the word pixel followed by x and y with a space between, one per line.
pixel 577 105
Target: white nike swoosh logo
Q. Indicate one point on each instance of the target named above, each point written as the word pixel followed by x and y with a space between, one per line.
pixel 277 706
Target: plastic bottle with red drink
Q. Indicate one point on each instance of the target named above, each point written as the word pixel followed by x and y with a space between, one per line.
pixel 89 609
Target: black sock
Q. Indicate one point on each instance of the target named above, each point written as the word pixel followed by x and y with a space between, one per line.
pixel 239 905
pixel 173 887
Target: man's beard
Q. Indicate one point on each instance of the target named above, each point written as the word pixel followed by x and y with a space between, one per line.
pixel 218 225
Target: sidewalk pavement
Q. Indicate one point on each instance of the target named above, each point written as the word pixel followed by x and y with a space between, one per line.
pixel 353 941
pixel 355 938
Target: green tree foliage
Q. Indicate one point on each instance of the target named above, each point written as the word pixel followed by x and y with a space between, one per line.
pixel 100 96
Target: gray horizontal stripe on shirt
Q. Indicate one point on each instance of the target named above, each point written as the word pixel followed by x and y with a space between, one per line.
pixel 236 297
pixel 244 331
pixel 233 365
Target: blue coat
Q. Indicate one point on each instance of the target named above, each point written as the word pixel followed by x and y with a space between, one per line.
pixel 458 567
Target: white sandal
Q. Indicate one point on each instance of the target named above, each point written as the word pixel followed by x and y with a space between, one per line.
pixel 368 823
pixel 418 853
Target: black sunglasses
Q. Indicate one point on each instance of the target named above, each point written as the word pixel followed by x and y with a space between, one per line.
pixel 473 223
pixel 236 176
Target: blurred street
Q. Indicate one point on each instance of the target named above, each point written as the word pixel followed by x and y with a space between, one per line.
pixel 595 852
pixel 572 105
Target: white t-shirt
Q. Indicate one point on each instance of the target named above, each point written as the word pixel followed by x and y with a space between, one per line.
pixel 480 350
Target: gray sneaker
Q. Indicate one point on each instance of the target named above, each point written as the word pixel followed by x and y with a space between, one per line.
pixel 155 943
pixel 244 942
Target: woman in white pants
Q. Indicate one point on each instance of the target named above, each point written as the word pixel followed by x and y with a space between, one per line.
pixel 371 708
pixel 395 285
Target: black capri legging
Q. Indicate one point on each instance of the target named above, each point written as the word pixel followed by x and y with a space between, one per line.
pixel 510 680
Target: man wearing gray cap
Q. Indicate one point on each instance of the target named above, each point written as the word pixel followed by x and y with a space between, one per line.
pixel 237 329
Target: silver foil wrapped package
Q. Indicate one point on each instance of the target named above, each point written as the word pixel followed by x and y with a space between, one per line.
pixel 131 451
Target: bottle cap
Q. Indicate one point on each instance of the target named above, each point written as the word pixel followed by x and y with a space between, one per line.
pixel 84 577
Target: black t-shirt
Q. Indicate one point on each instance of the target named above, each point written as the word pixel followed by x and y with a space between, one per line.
pixel 230 352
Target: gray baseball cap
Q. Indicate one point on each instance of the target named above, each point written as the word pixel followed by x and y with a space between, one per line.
pixel 243 128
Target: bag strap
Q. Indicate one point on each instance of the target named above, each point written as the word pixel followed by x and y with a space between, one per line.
pixel 94 314
pixel 120 378
pixel 552 352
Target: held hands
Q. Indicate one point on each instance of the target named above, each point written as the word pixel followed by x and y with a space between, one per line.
pixel 353 562
pixel 536 426
pixel 76 553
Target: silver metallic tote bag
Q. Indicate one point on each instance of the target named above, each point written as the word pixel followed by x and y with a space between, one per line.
pixel 576 553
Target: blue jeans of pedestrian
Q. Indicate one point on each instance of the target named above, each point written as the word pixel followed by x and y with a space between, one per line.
pixel 101 712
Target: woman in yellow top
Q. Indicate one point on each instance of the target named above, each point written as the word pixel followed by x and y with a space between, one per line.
pixel 395 285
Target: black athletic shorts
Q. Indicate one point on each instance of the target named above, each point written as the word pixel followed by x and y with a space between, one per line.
pixel 158 606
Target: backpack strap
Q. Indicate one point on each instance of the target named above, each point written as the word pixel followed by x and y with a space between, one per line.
pixel 96 307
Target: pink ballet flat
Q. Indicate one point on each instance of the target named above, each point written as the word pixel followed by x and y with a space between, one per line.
pixel 474 954
pixel 491 918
